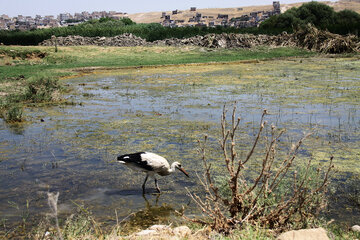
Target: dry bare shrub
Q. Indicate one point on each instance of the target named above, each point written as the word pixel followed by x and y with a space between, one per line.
pixel 277 197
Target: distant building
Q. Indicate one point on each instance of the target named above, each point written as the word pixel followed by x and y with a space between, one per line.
pixel 200 25
pixel 276 5
pixel 64 16
pixel 5 17
pixel 223 16
pixel 11 26
pixel 79 17
pixel 197 17
pixel 193 9
pixel 3 25
pixel 175 12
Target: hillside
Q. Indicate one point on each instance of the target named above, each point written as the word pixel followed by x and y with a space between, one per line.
pixel 212 13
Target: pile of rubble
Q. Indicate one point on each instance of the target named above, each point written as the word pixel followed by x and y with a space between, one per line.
pixel 309 38
pixel 124 40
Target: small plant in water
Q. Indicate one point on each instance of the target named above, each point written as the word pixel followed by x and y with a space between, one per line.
pixel 35 90
pixel 279 196
pixel 14 113
pixel 40 89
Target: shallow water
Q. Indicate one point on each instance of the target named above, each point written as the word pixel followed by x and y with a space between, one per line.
pixel 166 110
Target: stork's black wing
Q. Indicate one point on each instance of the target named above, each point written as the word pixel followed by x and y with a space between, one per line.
pixel 135 159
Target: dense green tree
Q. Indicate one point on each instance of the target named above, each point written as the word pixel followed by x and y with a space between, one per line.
pixel 285 21
pixel 347 21
pixel 320 15
pixel 128 21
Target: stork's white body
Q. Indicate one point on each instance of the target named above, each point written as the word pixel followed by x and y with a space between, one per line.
pixel 158 164
pixel 151 164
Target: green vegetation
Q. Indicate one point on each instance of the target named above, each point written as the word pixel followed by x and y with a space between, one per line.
pixel 21 53
pixel 109 28
pixel 92 56
pixel 37 89
pixel 320 15
pixel 30 74
pixel 14 112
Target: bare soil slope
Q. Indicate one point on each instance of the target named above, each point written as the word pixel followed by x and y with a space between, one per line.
pixel 152 17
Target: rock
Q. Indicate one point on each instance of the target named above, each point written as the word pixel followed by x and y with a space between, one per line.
pixel 305 234
pixel 163 232
pixel 182 231
pixel 355 228
pixel 124 40
pixel 158 228
pixel 146 232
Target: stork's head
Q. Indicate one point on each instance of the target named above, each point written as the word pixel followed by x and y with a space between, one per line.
pixel 178 166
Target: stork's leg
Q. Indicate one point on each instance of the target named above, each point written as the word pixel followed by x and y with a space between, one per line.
pixel 143 186
pixel 157 186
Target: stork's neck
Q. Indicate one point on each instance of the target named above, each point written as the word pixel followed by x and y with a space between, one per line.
pixel 172 169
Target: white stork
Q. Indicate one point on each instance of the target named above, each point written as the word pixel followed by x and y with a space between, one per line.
pixel 150 163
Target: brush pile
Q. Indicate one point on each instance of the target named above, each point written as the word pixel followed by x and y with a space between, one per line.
pixel 309 38
pixel 325 42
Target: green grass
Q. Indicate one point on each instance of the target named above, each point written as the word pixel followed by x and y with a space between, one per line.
pixel 81 225
pixel 338 232
pixel 91 56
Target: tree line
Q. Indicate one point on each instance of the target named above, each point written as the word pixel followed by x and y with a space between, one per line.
pixel 320 15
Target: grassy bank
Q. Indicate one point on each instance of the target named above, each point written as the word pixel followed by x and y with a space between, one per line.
pixel 83 225
pixel 30 74
pixel 28 61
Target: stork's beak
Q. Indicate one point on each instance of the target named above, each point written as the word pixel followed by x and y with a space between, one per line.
pixel 183 170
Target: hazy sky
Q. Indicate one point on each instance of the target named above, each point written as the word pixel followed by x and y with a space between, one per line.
pixel 54 7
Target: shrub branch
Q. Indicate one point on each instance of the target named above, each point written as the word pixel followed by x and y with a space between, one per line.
pixel 261 199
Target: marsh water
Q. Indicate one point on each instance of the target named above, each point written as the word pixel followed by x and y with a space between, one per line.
pixel 71 149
